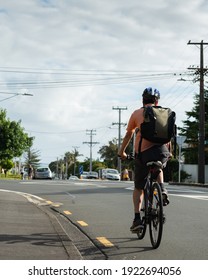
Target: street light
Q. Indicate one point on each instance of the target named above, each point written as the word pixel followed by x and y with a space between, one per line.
pixel 14 95
pixel 26 94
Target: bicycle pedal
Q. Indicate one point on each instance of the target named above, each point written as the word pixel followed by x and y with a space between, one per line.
pixel 165 200
pixel 137 230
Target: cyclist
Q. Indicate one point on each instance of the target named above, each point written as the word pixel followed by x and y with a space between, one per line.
pixel 148 152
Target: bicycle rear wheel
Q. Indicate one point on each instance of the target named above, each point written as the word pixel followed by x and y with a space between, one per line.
pixel 143 211
pixel 156 216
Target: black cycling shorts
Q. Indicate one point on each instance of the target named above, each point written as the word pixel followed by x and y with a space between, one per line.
pixel 156 153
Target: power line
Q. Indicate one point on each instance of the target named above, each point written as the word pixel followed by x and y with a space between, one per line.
pixel 82 77
pixel 64 132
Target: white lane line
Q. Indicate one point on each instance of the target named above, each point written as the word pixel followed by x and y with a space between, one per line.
pixel 191 196
pixel 184 195
pixel 91 185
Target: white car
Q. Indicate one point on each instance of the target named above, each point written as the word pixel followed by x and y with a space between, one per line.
pixel 84 175
pixel 43 173
pixel 110 174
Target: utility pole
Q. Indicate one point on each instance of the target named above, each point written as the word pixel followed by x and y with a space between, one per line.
pixel 57 167
pixel 201 71
pixel 91 143
pixel 119 123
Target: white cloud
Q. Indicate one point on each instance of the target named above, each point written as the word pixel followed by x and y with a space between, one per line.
pixel 66 48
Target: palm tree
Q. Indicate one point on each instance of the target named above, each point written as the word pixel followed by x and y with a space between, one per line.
pixel 32 157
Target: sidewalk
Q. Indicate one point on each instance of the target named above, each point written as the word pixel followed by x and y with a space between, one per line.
pixel 29 233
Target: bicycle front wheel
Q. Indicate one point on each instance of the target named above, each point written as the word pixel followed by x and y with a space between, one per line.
pixel 156 216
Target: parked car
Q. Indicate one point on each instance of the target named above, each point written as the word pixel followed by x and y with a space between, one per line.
pixel 84 175
pixel 92 175
pixel 110 174
pixel 43 173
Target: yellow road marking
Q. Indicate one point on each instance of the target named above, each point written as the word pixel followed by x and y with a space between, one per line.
pixel 105 241
pixel 67 212
pixel 82 223
pixel 49 202
pixel 54 204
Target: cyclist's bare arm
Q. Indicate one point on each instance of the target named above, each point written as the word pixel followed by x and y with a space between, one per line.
pixel 124 144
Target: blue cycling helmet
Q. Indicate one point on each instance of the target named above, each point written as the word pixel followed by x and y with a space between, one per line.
pixel 149 93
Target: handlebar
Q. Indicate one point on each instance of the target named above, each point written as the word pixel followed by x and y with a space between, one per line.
pixel 128 157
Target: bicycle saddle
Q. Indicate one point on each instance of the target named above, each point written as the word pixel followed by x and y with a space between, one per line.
pixel 155 163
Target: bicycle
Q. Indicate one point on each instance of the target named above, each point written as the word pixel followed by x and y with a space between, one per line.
pixel 152 206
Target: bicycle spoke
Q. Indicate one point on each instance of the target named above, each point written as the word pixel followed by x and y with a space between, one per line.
pixel 156 217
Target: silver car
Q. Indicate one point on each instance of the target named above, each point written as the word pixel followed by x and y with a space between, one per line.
pixel 92 175
pixel 43 173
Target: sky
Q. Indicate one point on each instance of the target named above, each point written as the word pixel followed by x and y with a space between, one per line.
pixel 78 59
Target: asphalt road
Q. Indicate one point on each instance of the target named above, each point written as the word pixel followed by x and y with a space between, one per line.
pixel 103 212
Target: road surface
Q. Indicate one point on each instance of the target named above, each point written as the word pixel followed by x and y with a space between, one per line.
pixel 103 212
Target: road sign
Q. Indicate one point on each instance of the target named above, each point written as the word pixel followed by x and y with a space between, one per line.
pixel 180 140
pixel 81 169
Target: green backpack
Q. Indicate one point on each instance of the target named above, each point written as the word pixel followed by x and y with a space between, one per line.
pixel 158 125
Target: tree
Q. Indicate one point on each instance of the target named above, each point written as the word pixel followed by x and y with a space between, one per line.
pixel 32 157
pixel 109 154
pixel 96 165
pixel 53 166
pixel 70 161
pixel 13 140
pixel 57 167
pixel 191 130
pixel 6 164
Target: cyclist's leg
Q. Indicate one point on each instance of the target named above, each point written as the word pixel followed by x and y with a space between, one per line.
pixel 138 195
pixel 164 191
pixel 141 172
pixel 137 199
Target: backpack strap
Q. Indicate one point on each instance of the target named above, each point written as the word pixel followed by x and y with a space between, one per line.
pixel 140 142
